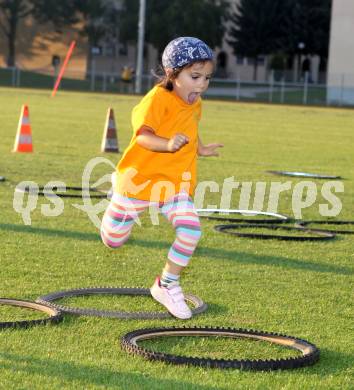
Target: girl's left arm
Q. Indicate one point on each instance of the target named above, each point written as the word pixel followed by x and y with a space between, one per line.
pixel 208 150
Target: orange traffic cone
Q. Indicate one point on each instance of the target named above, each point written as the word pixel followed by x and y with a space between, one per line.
pixel 110 140
pixel 23 141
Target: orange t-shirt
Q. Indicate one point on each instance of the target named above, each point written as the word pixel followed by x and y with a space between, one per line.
pixel 156 176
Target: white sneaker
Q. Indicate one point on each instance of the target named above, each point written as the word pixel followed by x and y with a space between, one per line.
pixel 172 298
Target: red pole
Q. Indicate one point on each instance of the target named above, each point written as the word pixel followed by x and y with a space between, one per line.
pixel 62 70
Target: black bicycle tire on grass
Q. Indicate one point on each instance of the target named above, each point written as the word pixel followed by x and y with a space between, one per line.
pixel 310 353
pixel 324 222
pixel 41 192
pixel 55 315
pixel 276 218
pixel 304 175
pixel 199 305
pixel 250 220
pixel 328 222
pixel 321 235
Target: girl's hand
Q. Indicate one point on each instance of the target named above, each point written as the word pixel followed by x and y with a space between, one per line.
pixel 209 150
pixel 177 142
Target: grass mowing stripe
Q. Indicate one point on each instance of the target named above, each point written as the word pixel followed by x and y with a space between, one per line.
pixel 302 289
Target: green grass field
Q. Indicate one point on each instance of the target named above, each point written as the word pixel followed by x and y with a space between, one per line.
pixel 302 289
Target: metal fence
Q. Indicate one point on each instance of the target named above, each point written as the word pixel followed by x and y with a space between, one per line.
pixel 339 90
pixel 271 92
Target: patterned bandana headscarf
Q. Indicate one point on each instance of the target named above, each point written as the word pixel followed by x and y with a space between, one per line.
pixel 185 50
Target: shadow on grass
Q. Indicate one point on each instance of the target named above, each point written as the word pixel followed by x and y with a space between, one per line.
pixel 216 309
pixel 215 253
pixel 50 232
pixel 344 360
pixel 249 258
pixel 89 375
pixel 331 362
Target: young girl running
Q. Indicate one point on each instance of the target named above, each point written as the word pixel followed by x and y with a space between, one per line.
pixel 159 165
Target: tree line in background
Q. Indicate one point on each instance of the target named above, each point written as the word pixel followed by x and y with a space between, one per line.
pixel 283 29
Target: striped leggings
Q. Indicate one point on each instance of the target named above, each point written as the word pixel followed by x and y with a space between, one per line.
pixel 120 216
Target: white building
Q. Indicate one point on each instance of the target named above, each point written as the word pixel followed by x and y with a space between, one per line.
pixel 340 79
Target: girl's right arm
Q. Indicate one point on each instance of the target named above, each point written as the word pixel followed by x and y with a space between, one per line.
pixel 147 139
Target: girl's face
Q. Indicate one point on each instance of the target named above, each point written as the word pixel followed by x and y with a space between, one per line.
pixel 193 81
